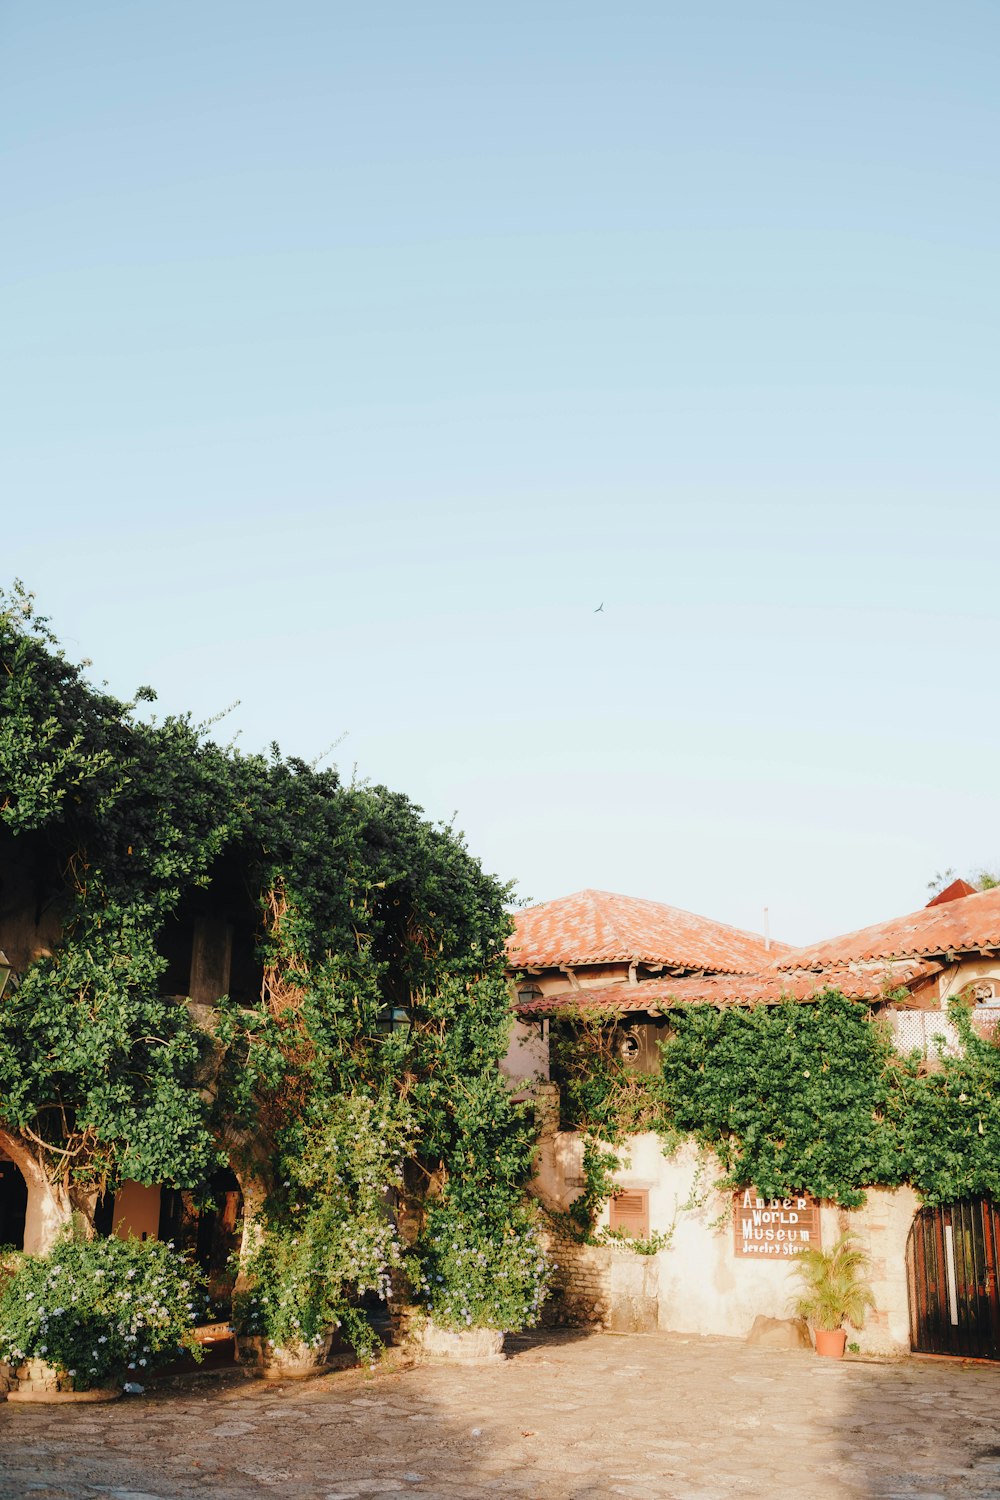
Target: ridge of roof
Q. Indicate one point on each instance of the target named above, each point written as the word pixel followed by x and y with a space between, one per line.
pixel 962 925
pixel 593 926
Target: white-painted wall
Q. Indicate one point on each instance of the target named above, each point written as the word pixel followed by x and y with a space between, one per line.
pixel 703 1286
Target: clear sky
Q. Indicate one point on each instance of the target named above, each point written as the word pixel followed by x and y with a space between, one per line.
pixel 353 355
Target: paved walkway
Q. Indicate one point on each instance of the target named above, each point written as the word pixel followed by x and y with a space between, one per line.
pixel 566 1418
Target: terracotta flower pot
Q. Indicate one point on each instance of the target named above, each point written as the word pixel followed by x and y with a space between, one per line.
pixel 831 1341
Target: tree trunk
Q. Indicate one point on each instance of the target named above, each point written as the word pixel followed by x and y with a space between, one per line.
pixel 50 1206
pixel 254 1195
pixel 252 1168
pixel 84 1203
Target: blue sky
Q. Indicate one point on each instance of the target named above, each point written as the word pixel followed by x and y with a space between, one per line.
pixel 353 355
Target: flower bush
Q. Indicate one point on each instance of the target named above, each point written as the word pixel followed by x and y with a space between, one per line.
pixel 329 1238
pixel 97 1309
pixel 474 1273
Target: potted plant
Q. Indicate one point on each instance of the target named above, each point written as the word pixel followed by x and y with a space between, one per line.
pixel 835 1290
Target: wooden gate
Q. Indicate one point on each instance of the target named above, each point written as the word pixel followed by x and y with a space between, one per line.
pixel 951 1271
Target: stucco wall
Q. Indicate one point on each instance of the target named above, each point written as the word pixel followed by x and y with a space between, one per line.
pixel 699 1284
pixel 527 1052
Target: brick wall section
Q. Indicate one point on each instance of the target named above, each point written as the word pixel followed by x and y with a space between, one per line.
pixel 581 1285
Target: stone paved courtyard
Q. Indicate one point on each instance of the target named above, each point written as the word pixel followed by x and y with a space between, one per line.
pixel 564 1418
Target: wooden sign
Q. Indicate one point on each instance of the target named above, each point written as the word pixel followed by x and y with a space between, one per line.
pixel 773 1228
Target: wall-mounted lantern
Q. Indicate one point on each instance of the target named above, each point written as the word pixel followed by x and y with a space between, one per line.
pixel 6 969
pixel 392 1018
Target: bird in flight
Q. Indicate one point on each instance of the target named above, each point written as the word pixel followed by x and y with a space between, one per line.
pixel 600 609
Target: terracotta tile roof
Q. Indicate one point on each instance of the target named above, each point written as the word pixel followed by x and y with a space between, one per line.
pixel 966 925
pixel 598 927
pixel 861 982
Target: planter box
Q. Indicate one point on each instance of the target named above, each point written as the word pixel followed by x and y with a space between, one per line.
pixel 40 1382
pixel 423 1339
pixel 259 1356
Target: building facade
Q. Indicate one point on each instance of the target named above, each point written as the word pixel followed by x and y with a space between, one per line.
pixel 727 1258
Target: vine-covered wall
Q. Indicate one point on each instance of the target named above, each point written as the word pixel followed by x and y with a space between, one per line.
pixel 367 1061
pixel 790 1098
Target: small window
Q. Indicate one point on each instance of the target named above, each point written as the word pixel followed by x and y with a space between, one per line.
pixel 630 1212
pixel 630 1047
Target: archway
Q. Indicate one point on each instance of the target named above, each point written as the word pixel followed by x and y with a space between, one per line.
pixel 13 1204
pixel 208 1231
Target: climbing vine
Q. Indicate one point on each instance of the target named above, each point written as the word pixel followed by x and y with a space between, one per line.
pixel 377 941
pixel 605 1099
pixel 790 1098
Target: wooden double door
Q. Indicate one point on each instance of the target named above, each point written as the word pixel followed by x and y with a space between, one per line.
pixel 951 1268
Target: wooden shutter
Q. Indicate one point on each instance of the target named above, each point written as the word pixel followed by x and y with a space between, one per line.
pixel 630 1212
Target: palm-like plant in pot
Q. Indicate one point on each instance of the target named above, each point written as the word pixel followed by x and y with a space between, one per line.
pixel 835 1291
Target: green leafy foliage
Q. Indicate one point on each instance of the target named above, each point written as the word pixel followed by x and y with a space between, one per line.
pixel 598 1091
pixel 660 1239
pixel 335 1239
pixel 608 1101
pixel 115 817
pixel 982 878
pixel 950 1119
pixel 599 1166
pixel 101 1310
pixel 793 1098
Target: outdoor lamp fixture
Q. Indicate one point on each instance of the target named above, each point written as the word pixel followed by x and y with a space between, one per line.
pixel 392 1018
pixel 6 969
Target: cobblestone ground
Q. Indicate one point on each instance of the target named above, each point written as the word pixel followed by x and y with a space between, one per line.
pixel 563 1419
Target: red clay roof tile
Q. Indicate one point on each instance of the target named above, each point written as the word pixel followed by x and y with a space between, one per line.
pixel 868 982
pixel 952 892
pixel 966 925
pixel 597 927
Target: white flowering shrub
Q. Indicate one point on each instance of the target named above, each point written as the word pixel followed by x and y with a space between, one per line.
pixel 97 1310
pixel 474 1272
pixel 327 1236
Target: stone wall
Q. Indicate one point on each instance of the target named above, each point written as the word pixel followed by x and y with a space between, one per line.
pixel 581 1284
pixel 602 1286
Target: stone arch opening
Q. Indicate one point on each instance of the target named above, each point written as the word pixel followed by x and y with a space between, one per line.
pixel 13 1204
pixel 208 1229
